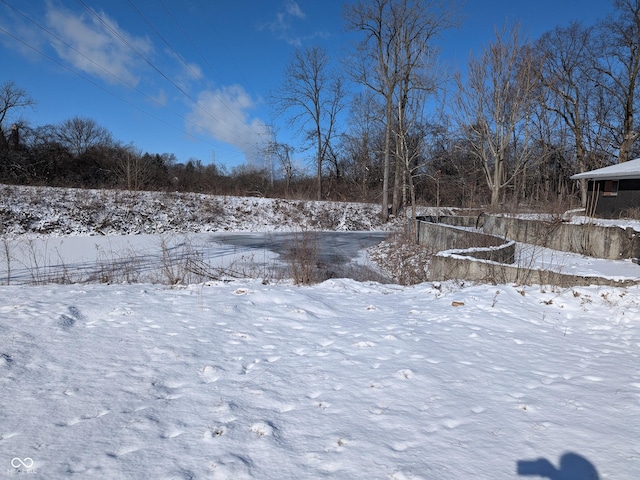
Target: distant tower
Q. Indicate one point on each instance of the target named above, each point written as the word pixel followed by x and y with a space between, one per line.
pixel 14 137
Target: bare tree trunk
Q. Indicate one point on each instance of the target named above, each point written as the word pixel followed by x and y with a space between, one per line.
pixel 387 161
pixel 629 138
pixel 397 178
pixel 316 96
pixel 319 165
pixel 496 184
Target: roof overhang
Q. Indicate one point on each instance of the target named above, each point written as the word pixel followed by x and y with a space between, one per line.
pixel 621 171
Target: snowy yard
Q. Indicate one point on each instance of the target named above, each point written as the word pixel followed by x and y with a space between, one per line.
pixel 245 379
pixel 340 380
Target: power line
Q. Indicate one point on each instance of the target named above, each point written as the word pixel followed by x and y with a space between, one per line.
pixel 95 84
pixel 195 48
pixel 154 67
pixel 106 70
pixel 71 47
pixel 128 44
pixel 185 63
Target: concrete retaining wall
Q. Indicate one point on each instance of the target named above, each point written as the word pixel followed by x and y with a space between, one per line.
pixel 438 237
pixel 613 243
pixel 481 257
pixel 449 266
pixel 472 221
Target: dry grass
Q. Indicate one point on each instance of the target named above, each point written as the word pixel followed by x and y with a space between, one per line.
pixel 631 213
pixel 402 259
pixel 302 258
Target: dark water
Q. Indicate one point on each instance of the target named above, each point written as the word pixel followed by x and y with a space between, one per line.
pixel 332 248
pixel 334 254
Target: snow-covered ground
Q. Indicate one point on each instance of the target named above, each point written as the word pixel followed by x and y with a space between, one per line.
pixel 242 380
pixel 534 256
pixel 247 379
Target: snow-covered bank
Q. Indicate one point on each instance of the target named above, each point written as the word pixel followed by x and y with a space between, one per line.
pixel 62 211
pixel 341 380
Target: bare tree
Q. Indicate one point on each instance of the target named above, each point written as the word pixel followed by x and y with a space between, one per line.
pixel 494 105
pixel 315 95
pixel 374 67
pixel 79 134
pixel 281 153
pixel 133 170
pixel 570 93
pixel 11 98
pixel 360 143
pixel 398 37
pixel 617 64
pixel 417 81
pixel 410 151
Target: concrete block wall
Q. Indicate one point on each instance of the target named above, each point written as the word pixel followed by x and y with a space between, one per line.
pixel 614 243
pixel 445 266
pixel 468 255
pixel 438 237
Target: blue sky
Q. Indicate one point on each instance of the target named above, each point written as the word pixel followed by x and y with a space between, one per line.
pixel 192 77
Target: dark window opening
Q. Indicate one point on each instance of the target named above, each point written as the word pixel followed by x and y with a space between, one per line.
pixel 610 188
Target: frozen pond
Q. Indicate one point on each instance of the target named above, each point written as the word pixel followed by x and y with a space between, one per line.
pixel 176 258
pixel 330 247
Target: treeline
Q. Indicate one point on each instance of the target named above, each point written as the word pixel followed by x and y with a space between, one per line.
pixel 80 153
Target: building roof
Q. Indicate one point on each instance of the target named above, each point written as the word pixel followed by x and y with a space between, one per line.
pixel 630 169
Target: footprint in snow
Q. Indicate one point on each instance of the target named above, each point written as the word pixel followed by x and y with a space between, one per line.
pixel 209 374
pixel 404 373
pixel 75 312
pixel 68 321
pixel 6 359
pixel 263 429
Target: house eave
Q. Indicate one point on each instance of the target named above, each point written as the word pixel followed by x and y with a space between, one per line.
pixel 622 171
pixel 589 176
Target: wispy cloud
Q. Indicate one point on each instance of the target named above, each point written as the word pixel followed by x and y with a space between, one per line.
pixel 282 25
pixel 224 114
pixel 160 98
pixel 97 45
pixel 293 9
pixel 18 27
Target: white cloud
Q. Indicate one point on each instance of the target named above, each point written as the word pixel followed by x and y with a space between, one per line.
pixel 223 114
pixel 160 98
pixel 293 9
pixel 194 71
pixel 281 26
pixel 97 46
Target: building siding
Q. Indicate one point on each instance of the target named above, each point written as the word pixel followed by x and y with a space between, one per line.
pixel 606 206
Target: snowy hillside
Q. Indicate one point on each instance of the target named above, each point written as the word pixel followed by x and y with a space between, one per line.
pixel 60 211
